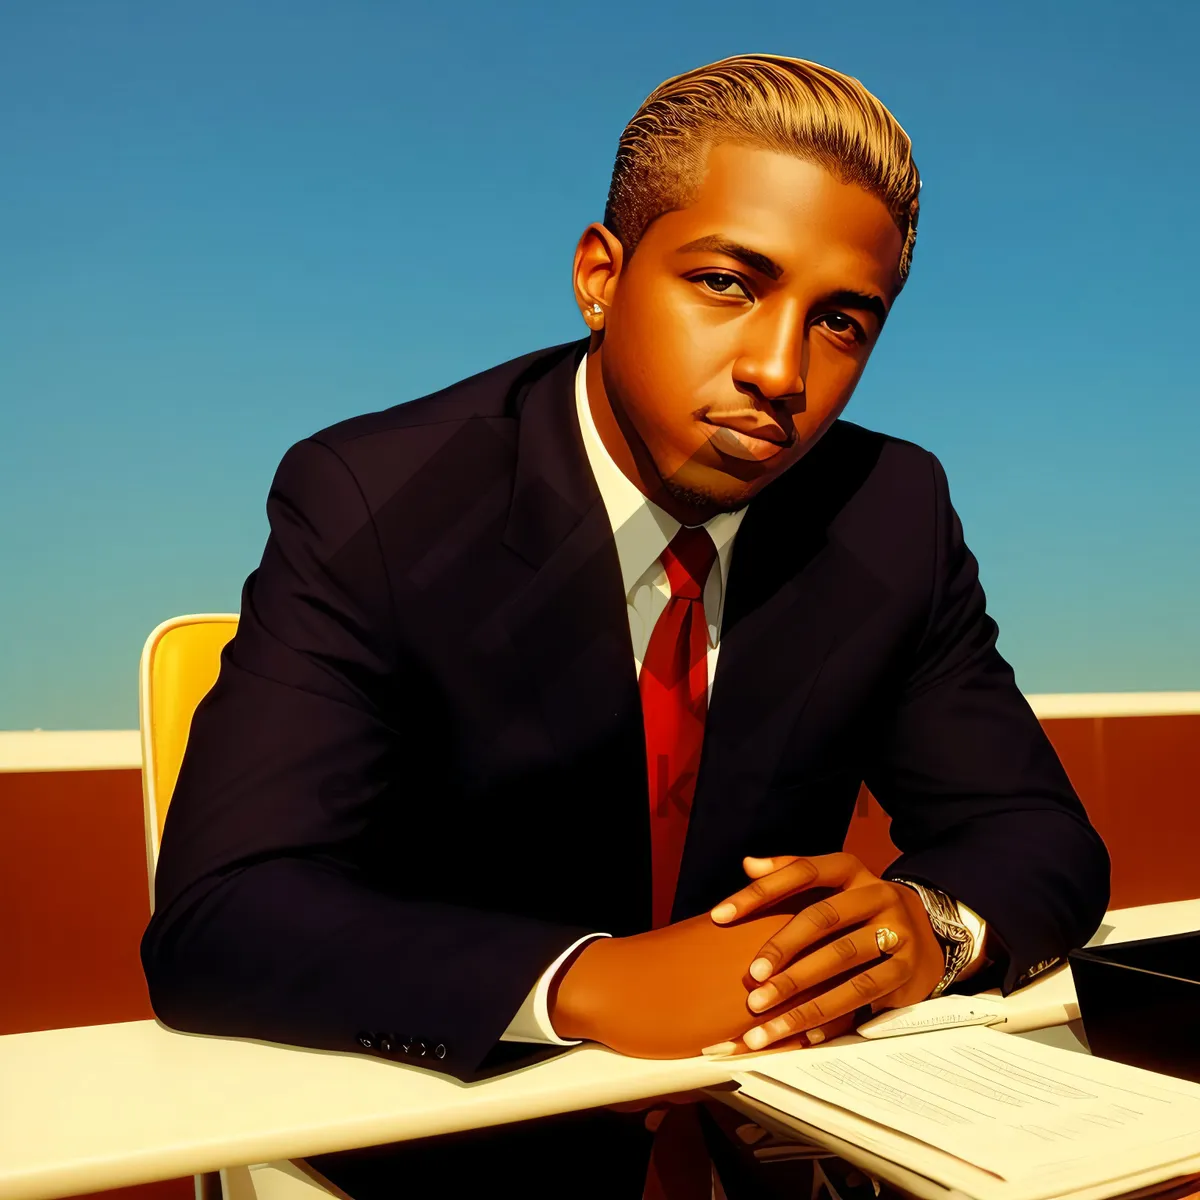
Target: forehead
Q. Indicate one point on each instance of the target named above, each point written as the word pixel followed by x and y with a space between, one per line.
pixel 792 210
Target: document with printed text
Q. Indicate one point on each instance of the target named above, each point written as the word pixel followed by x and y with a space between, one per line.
pixel 987 1113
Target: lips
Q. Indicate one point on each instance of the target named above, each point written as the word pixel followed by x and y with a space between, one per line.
pixel 747 439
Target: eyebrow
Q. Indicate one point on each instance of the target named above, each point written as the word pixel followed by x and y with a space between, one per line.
pixel 846 297
pixel 752 258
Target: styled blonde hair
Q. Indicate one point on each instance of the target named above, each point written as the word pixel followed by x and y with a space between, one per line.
pixel 768 101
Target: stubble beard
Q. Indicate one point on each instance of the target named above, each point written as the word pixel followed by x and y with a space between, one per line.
pixel 701 498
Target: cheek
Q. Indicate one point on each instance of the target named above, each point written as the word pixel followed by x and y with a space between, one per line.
pixel 832 378
pixel 663 368
pixel 660 340
pixel 663 414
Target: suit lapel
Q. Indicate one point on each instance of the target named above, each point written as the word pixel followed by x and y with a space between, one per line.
pixel 569 621
pixel 570 627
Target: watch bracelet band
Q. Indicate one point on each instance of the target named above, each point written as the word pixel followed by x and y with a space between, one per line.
pixel 957 942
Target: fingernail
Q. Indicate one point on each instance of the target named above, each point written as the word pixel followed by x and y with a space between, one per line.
pixel 719 1048
pixel 756 1039
pixel 761 969
pixel 814 1036
pixel 723 912
pixel 654 1118
pixel 763 998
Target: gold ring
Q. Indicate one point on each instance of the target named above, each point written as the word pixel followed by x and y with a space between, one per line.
pixel 886 939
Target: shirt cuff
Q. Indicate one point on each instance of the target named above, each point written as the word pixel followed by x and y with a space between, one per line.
pixel 532 1022
pixel 978 929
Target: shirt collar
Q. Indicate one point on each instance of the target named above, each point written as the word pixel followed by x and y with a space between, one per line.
pixel 641 528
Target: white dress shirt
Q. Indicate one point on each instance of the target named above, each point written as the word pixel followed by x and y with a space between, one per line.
pixel 642 531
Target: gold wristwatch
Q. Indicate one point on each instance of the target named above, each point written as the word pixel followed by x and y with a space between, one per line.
pixel 957 941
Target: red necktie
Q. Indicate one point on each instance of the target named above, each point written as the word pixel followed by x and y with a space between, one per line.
pixel 674 688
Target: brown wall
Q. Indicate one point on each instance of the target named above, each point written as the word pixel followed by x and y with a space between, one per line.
pixel 73 903
pixel 1139 778
pixel 74 897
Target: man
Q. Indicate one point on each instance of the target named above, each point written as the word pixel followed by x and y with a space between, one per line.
pixel 565 650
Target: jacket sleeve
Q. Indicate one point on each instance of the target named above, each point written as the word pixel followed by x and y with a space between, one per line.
pixel 265 925
pixel 981 806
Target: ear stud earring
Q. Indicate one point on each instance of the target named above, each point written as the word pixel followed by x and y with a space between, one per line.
pixel 596 308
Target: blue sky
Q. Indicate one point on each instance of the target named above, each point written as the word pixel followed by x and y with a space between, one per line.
pixel 224 226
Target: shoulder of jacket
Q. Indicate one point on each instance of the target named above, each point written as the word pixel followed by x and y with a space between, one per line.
pixel 491 394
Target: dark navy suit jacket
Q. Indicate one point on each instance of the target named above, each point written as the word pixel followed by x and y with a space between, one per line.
pixel 421 773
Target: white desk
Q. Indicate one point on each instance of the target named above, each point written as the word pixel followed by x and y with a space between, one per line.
pixel 110 1105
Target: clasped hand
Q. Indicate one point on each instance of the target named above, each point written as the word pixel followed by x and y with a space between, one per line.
pixel 828 959
pixel 794 953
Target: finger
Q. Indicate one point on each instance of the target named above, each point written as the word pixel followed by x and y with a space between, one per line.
pixel 855 906
pixel 791 875
pixel 856 949
pixel 736 1046
pixel 801 1040
pixel 816 1037
pixel 756 868
pixel 863 988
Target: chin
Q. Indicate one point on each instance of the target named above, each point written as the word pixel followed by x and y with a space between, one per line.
pixel 721 493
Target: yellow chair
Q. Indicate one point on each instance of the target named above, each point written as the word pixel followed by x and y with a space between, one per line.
pixel 178 667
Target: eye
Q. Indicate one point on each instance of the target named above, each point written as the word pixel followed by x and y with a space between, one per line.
pixel 841 324
pixel 722 283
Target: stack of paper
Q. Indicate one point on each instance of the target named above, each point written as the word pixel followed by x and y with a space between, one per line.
pixel 991 1116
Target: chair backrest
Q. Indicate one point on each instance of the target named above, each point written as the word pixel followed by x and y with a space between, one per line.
pixel 179 665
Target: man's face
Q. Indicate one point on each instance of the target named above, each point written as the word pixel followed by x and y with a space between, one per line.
pixel 735 334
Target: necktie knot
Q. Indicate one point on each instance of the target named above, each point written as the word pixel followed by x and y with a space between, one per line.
pixel 687 561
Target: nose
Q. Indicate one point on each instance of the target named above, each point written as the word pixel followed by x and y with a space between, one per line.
pixel 773 362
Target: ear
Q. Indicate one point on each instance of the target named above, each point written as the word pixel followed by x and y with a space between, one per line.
pixel 599 257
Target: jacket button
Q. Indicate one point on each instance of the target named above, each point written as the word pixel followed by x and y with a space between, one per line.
pixel 365 1039
pixel 439 1051
pixel 385 1044
pixel 420 1049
